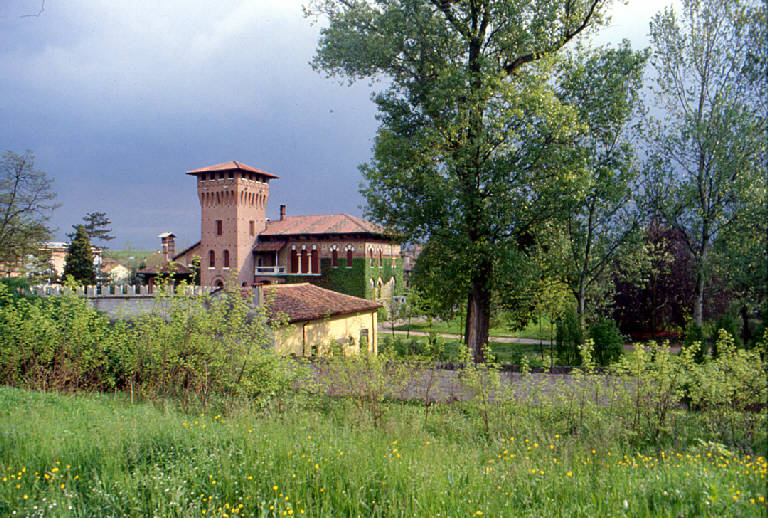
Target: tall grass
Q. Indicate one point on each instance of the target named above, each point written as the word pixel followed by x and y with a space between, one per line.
pixel 100 455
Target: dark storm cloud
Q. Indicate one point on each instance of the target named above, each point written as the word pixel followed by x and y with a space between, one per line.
pixel 118 99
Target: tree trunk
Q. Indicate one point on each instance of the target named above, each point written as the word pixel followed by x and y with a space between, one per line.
pixel 479 312
pixel 582 307
pixel 698 299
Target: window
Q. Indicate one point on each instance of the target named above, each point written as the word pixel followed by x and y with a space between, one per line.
pixel 226 258
pixel 211 259
pixel 370 255
pixel 251 228
pixel 304 262
pixel 315 260
pixel 349 257
pixel 294 261
pixel 219 227
pixel 335 258
pixel 231 175
pixel 380 263
pixel 363 339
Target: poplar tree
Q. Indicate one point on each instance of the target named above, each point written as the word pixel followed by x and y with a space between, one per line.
pixel 471 134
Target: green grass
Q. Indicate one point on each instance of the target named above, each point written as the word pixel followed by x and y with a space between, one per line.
pixel 532 330
pixel 101 456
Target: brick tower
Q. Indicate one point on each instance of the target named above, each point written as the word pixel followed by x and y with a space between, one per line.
pixel 233 201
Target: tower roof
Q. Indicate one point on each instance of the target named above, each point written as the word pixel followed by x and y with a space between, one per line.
pixel 232 165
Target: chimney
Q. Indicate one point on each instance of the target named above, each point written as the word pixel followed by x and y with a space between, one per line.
pixel 169 245
pixel 282 212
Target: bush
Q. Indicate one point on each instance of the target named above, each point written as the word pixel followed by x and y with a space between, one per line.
pixel 196 348
pixel 608 341
pixel 694 334
pixel 569 338
pixel 729 323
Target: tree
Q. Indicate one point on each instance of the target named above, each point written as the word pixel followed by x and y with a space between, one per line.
pixel 470 135
pixel 706 156
pixel 25 207
pixel 602 219
pixel 80 258
pixel 97 226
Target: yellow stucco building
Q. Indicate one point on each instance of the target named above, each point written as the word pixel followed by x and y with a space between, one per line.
pixel 320 322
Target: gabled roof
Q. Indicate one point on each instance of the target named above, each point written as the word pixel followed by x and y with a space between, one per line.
pixel 188 249
pixel 304 301
pixel 232 165
pixel 321 224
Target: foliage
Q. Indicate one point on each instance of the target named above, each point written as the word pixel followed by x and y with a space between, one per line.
pixel 601 221
pixel 608 341
pixel 694 334
pixel 26 204
pixel 658 297
pixel 707 153
pixel 97 226
pixel 472 135
pixel 192 348
pixel 79 260
pixel 569 338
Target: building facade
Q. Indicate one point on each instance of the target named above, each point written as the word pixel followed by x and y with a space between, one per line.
pixel 239 244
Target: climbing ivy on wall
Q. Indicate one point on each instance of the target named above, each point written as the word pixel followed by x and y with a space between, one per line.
pixel 357 279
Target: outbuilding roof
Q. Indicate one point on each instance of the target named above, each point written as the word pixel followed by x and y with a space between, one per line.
pixel 304 301
pixel 231 166
pixel 269 246
pixel 321 224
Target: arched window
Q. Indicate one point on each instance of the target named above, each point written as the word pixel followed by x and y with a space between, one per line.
pixel 335 257
pixel 380 263
pixel 349 257
pixel 370 255
pixel 315 260
pixel 211 259
pixel 294 261
pixel 226 258
pixel 304 262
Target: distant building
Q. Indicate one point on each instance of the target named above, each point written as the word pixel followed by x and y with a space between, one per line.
pixel 239 244
pixel 57 259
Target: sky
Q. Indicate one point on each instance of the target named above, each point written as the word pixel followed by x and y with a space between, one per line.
pixel 118 99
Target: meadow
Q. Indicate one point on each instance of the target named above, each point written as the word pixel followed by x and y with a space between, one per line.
pixel 100 455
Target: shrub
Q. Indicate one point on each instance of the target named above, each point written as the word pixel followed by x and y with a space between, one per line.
pixel 694 334
pixel 569 338
pixel 608 341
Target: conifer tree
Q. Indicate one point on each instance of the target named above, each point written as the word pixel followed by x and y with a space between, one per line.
pixel 80 258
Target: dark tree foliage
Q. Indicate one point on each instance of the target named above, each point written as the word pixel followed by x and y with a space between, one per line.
pixel 659 301
pixel 97 225
pixel 80 258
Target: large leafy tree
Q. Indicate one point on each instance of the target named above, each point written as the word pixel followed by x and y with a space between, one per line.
pixel 26 204
pixel 79 261
pixel 601 220
pixel 471 133
pixel 707 152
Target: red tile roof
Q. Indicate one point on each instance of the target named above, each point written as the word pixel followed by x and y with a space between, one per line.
pixel 321 224
pixel 302 302
pixel 231 166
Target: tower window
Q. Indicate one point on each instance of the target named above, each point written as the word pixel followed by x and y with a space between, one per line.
pixel 251 228
pixel 231 175
pixel 219 227
pixel 211 259
pixel 226 258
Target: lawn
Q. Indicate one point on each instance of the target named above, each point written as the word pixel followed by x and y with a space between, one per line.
pixel 532 330
pixel 99 455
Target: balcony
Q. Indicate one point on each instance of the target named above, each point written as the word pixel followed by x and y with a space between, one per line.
pixel 282 271
pixel 270 270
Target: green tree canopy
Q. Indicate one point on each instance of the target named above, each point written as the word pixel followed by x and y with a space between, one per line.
pixel 472 134
pixel 707 152
pixel 80 258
